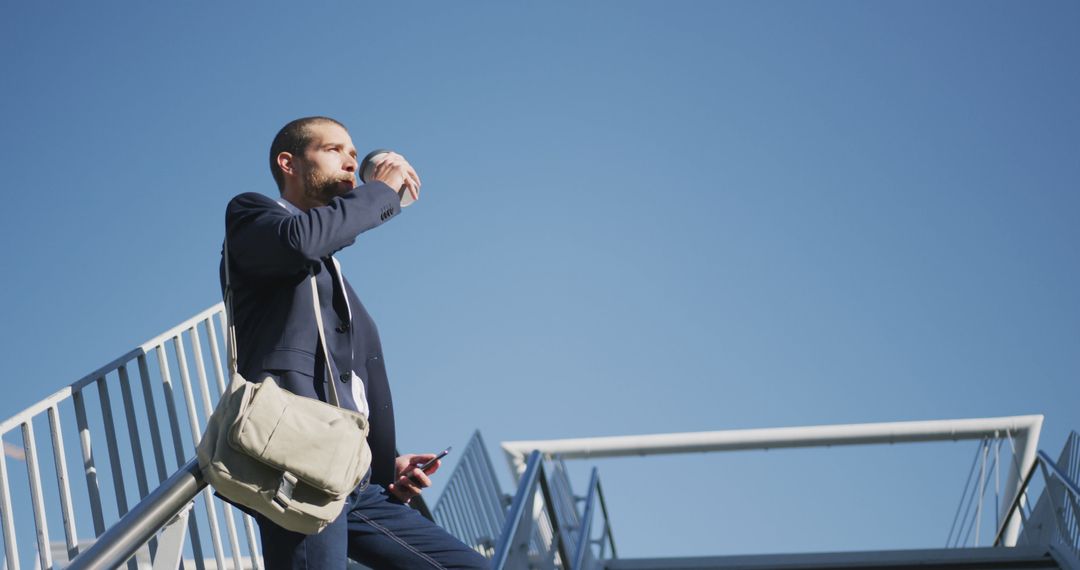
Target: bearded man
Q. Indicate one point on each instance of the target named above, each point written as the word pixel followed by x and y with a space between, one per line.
pixel 273 247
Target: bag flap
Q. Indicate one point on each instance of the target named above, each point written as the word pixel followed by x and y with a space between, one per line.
pixel 315 441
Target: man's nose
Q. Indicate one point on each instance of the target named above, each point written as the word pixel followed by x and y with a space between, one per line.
pixel 350 164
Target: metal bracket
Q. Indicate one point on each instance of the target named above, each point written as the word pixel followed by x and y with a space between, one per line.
pixel 170 547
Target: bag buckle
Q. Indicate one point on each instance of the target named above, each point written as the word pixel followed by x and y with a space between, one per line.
pixel 283 496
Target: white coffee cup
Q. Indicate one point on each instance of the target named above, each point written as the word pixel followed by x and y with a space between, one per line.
pixel 367 169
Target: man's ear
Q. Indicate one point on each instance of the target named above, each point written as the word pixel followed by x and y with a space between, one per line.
pixel 286 163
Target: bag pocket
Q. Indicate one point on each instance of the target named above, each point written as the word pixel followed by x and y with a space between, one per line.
pixel 322 445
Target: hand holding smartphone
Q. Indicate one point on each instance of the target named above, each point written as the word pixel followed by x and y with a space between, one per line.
pixel 430 463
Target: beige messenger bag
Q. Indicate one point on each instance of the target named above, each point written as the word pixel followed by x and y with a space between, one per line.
pixel 290 458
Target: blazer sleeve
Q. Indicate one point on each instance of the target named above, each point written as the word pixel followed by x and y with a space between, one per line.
pixel 265 239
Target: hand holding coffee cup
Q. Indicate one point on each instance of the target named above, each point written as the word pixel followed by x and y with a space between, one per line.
pixel 390 167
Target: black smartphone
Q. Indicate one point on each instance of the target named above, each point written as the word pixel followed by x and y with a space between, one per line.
pixel 425 466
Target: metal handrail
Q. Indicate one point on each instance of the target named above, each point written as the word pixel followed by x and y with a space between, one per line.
pixel 163 412
pixel 1024 430
pixel 527 487
pixel 607 521
pixel 472 506
pixel 1049 466
pixel 514 530
pixel 157 507
pixel 586 523
pixel 1061 475
pixel 120 542
pixel 141 523
pixel 595 496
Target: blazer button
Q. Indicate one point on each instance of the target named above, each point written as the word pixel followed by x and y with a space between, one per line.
pixel 343 327
pixel 345 377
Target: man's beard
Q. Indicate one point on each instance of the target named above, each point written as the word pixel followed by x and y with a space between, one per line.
pixel 323 188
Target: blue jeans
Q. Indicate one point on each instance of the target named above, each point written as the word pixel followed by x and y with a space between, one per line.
pixel 374 529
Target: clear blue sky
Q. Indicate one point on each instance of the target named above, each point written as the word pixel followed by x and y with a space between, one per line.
pixel 636 218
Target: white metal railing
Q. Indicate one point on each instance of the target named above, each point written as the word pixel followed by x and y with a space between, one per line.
pixel 161 516
pixel 169 386
pixel 1021 431
pixel 545 526
pixel 471 506
pixel 147 430
pixel 583 554
pixel 973 519
pixel 1055 517
pixel 517 547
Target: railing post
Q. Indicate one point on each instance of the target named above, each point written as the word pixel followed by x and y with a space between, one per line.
pixel 556 528
pixel 89 467
pixel 586 523
pixel 510 541
pixel 36 497
pixel 105 403
pixel 11 546
pixel 133 431
pixel 67 510
pixel 607 522
pixel 1024 460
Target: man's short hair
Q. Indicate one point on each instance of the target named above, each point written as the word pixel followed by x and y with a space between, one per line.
pixel 293 138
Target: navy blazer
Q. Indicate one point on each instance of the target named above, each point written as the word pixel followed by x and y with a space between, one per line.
pixel 273 252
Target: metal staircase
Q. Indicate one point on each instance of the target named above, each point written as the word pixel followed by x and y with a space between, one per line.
pixel 131 495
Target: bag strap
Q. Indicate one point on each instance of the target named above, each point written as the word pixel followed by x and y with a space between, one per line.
pixel 230 338
pixel 333 394
pixel 230 335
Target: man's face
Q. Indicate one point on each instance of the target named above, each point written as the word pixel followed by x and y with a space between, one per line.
pixel 328 167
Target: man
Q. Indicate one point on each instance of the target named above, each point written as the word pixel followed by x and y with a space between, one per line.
pixel 274 246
